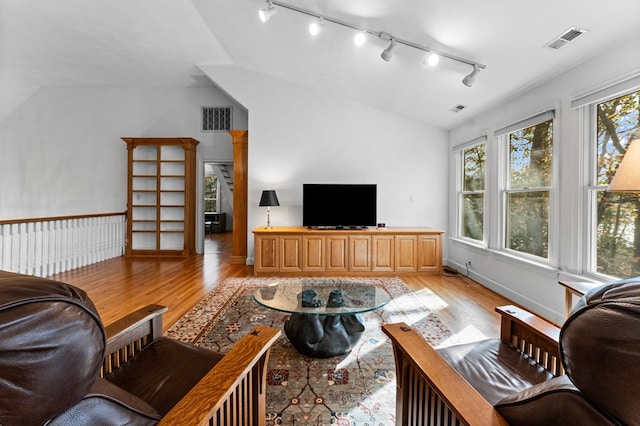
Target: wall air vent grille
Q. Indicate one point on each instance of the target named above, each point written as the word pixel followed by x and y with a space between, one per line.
pixel 216 119
pixel 566 37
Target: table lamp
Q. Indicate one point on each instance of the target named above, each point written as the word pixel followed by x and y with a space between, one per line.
pixel 269 199
pixel 627 177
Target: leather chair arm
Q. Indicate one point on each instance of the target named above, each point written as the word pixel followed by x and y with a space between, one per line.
pixel 104 404
pixel 554 402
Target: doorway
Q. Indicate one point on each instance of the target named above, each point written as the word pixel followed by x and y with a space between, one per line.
pixel 218 198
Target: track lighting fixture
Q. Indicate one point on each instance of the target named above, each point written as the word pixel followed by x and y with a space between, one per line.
pixel 388 52
pixel 359 39
pixel 471 78
pixel 266 13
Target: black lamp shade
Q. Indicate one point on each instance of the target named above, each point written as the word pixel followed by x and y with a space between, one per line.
pixel 269 198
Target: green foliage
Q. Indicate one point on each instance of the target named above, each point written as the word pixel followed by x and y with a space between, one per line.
pixel 473 203
pixel 474 161
pixel 531 156
pixel 210 193
pixel 527 229
pixel 473 220
pixel 618 223
pixel 530 169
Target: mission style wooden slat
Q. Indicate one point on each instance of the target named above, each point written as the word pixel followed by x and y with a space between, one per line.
pixel 430 391
pixel 532 335
pixel 129 335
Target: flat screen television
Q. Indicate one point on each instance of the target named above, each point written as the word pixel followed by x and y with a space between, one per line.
pixel 339 206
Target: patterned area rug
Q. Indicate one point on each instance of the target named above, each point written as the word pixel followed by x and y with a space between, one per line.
pixel 353 389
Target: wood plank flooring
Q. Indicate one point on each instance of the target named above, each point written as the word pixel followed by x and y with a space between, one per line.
pixel 121 285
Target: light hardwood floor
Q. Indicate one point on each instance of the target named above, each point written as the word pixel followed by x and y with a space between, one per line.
pixel 122 285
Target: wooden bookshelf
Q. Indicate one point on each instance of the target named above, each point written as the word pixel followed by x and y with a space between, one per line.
pixel 161 196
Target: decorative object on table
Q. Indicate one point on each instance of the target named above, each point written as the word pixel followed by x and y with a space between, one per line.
pixel 308 299
pixel 358 388
pixel 269 199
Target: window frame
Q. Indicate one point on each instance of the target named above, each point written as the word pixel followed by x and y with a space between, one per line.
pixel 459 151
pixel 587 112
pixel 502 138
pixel 216 199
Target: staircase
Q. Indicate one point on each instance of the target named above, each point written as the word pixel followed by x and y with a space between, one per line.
pixel 226 181
pixel 223 172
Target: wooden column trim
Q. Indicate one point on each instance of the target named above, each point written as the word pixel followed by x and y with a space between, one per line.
pixel 240 189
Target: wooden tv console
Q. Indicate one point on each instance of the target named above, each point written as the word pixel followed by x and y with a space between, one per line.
pixel 296 250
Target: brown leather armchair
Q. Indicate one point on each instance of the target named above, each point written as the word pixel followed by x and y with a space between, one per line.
pixel 586 373
pixel 60 366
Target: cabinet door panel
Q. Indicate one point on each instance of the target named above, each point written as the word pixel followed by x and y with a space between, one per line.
pixel 429 255
pixel 337 253
pixel 291 253
pixel 359 253
pixel 406 253
pixel 313 253
pixel 266 253
pixel 382 253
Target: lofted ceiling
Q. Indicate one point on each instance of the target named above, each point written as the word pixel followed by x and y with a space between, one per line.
pixel 76 43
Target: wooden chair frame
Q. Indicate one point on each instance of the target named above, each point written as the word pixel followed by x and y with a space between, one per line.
pixel 431 392
pixel 231 393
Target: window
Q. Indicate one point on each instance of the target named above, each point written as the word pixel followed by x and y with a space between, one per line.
pixel 528 189
pixel 216 119
pixel 472 194
pixel 211 194
pixel 616 224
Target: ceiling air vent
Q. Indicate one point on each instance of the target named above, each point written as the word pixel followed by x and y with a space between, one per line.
pixel 457 108
pixel 566 37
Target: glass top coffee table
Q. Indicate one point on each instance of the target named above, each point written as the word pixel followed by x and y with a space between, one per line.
pixel 325 313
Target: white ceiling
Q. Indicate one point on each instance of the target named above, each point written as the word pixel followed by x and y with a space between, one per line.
pixel 161 43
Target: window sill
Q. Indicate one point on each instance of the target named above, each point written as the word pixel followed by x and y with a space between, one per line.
pixel 508 257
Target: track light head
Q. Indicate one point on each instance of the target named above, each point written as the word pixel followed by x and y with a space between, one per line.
pixel 471 78
pixel 388 52
pixel 432 59
pixel 314 27
pixel 266 13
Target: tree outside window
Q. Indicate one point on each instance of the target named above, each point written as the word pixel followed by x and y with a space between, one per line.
pixel 617 219
pixel 528 189
pixel 472 195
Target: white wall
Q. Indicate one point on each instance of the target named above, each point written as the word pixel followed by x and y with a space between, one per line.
pixel 535 286
pixel 61 152
pixel 301 136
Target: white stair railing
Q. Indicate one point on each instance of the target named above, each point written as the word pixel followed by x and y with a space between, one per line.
pixel 47 246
